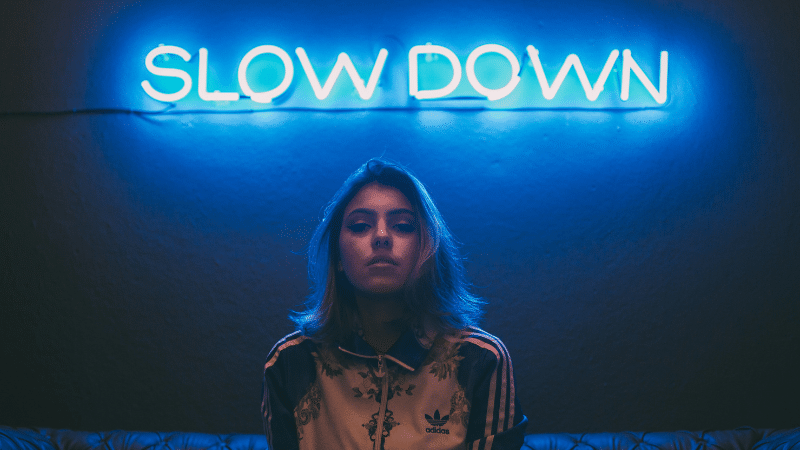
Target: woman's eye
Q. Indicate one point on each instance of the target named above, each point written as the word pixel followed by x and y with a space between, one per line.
pixel 405 227
pixel 357 227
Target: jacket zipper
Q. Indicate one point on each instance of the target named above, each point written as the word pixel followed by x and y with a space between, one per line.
pixel 384 400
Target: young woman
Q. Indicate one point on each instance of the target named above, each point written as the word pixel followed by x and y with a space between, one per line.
pixel 386 354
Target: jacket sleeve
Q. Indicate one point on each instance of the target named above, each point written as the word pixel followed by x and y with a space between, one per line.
pixel 283 386
pixel 496 420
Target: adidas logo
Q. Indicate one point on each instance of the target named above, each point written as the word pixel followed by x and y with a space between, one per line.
pixel 436 422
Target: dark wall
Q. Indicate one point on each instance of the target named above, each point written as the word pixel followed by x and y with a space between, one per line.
pixel 641 264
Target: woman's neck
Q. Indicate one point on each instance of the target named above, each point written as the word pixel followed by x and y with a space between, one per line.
pixel 383 320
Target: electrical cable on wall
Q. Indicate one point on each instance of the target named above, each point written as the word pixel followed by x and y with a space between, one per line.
pixel 171 111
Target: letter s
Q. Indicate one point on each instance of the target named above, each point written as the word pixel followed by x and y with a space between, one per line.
pixel 165 72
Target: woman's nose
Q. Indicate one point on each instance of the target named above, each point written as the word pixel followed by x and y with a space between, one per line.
pixel 382 238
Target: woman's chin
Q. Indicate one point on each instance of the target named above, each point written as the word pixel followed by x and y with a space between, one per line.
pixel 383 290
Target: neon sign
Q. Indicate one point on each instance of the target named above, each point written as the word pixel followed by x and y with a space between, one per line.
pixel 366 90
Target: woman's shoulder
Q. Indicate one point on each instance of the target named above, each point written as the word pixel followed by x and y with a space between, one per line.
pixel 479 342
pixel 293 345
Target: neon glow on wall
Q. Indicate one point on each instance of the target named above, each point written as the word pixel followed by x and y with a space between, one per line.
pixel 181 82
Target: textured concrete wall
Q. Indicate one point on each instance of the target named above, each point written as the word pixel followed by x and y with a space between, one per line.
pixel 641 266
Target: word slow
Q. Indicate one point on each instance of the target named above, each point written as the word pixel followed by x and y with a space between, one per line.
pixel 367 89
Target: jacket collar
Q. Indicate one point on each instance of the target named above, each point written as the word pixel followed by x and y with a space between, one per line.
pixel 409 351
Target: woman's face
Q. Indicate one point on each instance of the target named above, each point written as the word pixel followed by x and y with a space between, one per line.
pixel 379 240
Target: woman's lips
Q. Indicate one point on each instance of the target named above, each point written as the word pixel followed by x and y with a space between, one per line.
pixel 381 260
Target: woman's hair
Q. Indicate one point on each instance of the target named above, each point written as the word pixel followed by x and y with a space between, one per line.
pixel 437 287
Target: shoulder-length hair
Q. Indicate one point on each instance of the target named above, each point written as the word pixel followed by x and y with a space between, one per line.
pixel 436 289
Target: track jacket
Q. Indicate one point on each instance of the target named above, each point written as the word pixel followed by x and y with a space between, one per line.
pixel 445 392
